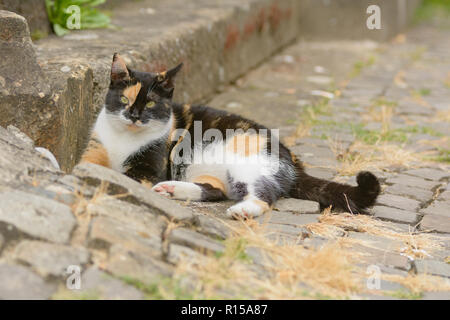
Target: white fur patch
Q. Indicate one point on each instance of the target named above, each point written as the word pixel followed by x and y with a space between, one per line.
pixel 179 190
pixel 215 160
pixel 245 209
pixel 120 142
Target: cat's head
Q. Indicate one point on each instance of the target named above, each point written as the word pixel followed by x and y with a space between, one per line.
pixel 139 99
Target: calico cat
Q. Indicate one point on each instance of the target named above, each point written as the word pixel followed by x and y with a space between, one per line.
pixel 135 134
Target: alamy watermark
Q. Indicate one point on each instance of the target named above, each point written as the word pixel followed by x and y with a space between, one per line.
pixel 73 22
pixel 374 20
pixel 374 277
pixel 239 147
pixel 73 281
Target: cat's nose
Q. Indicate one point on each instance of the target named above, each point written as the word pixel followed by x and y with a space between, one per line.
pixel 134 115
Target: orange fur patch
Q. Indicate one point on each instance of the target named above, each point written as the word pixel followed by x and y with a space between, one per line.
pixel 146 183
pixel 132 92
pixel 97 154
pixel 262 204
pixel 213 181
pixel 246 144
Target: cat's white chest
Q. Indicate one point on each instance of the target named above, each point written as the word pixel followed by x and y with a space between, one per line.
pixel 121 143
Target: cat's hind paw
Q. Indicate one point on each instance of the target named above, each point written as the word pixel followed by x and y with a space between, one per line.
pixel 179 190
pixel 164 189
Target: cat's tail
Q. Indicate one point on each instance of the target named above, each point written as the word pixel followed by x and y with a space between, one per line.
pixel 337 195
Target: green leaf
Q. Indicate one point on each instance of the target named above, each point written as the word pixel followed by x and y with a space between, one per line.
pixel 90 17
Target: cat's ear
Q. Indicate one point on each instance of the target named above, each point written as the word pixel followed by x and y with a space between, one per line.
pixel 167 78
pixel 119 70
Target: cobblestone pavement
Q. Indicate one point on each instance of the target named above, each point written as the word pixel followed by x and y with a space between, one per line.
pixel 388 113
pixel 342 107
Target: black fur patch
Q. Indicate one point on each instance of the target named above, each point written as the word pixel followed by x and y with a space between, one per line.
pixel 238 190
pixel 209 193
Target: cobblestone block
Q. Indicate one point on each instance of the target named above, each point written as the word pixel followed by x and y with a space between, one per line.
pixel 441 208
pixel 19 283
pixel 395 215
pixel 280 217
pixel 434 267
pixel 433 222
pixel 322 173
pixel 99 285
pixel 399 202
pixel 428 173
pixel 412 182
pixel 194 240
pixel 376 241
pixel 50 259
pixel 36 217
pixel 136 264
pixel 212 226
pixel 106 232
pixel 297 206
pixel 419 194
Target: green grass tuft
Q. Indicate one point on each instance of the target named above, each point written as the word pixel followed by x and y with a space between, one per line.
pixel 360 65
pixel 38 34
pixel 443 156
pixel 393 135
pixel 165 288
pixel 402 294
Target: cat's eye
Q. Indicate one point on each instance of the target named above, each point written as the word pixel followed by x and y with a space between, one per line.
pixel 124 100
pixel 150 104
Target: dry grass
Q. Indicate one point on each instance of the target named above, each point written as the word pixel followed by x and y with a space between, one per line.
pixel 81 205
pixel 416 245
pixel 420 282
pixel 288 269
pixel 382 112
pixel 442 116
pixel 379 156
pixel 302 130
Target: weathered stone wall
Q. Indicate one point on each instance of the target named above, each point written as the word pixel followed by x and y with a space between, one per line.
pixel 33 10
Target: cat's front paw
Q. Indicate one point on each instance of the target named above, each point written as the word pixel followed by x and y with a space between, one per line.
pixel 246 209
pixel 179 190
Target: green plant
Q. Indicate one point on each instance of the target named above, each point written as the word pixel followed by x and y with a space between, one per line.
pixel 433 9
pixel 89 16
